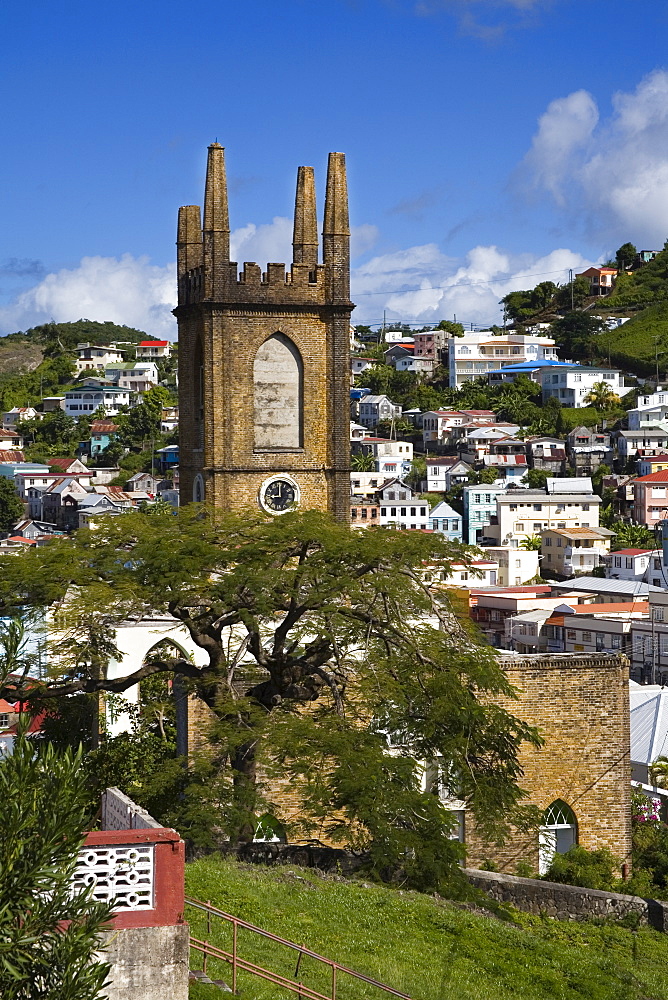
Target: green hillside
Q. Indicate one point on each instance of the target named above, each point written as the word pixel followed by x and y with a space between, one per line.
pixel 632 345
pixel 427 948
pixel 40 361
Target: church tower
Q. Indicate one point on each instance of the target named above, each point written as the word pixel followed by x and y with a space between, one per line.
pixel 264 369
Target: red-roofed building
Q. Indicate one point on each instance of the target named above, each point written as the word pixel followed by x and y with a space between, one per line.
pixel 151 350
pixel 650 498
pixel 634 564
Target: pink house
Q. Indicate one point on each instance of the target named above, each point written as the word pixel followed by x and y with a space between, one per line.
pixel 650 503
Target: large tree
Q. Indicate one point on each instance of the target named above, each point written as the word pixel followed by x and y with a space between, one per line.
pixel 297 613
pixel 11 507
pixel 49 935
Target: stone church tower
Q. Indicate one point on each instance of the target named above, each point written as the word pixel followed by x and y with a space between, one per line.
pixel 264 370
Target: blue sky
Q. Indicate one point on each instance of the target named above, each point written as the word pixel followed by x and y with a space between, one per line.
pixel 487 140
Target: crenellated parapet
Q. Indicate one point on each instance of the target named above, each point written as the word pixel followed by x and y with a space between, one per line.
pixel 206 274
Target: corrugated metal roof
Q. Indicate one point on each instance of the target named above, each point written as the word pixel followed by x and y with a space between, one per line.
pixel 649 723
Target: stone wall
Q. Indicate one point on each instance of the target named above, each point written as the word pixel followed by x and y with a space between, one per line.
pixel 568 902
pixel 150 963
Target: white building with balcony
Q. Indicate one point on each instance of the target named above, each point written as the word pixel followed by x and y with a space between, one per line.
pixel 652 409
pixel 567 551
pixel 571 384
pixel 475 355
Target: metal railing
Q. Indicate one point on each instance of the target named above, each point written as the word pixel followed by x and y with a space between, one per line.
pixel 238 963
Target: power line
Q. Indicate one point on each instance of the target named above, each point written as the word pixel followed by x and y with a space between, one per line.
pixel 462 284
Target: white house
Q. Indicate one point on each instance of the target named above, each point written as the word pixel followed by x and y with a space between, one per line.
pixel 445 472
pixel 516 566
pixel 360 364
pixel 12 417
pixel 522 512
pixel 629 564
pixel 652 409
pixel 476 354
pixel 138 376
pixel 447 521
pixel 366 484
pixel 401 507
pixel 84 401
pixel 571 384
pixel 152 350
pixel 652 439
pixel 93 357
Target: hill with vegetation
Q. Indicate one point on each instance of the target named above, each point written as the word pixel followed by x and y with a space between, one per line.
pixel 40 361
pixel 428 948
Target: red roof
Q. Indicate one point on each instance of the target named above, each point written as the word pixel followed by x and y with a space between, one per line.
pixel 62 463
pixel 11 455
pixel 631 552
pixel 153 343
pixel 20 538
pixel 656 458
pixel 654 477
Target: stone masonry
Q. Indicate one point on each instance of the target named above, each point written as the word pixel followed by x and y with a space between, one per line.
pixel 580 705
pixel 226 320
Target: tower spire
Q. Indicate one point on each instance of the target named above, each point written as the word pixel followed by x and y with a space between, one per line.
pixel 305 233
pixel 189 239
pixel 336 229
pixel 216 221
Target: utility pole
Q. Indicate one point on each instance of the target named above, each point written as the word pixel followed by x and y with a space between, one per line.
pixel 570 281
pixel 656 358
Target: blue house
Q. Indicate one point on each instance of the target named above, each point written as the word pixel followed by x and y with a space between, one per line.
pixel 446 521
pixel 168 457
pixel 479 508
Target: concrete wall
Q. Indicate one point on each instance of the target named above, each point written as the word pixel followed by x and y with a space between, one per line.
pixel 148 963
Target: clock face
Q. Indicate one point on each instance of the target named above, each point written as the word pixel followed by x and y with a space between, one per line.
pixel 279 495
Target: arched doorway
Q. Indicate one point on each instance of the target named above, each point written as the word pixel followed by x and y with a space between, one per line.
pixel 558 833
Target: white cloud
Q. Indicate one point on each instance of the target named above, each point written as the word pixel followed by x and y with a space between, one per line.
pixel 564 130
pixel 419 284
pixel 486 19
pixel 614 173
pixel 126 290
pixel 422 285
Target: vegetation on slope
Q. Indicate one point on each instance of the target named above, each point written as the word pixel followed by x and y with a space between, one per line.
pixel 427 948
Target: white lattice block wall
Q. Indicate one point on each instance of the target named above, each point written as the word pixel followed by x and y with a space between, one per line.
pixel 121 874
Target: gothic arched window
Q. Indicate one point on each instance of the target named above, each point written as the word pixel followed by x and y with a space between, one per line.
pixel 278 395
pixel 558 833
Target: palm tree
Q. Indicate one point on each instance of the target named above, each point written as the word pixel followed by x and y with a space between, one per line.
pixel 602 397
pixel 531 543
pixel 363 462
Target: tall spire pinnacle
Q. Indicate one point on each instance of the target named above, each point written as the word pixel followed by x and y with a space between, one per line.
pixel 189 238
pixel 336 229
pixel 216 211
pixel 305 233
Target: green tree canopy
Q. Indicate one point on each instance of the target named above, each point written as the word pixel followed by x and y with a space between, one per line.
pixel 295 612
pixel 625 256
pixel 11 507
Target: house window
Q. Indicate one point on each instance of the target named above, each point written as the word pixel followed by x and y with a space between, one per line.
pixel 586 636
pixel 657 614
pixel 571 634
pixel 393 511
pixel 383 511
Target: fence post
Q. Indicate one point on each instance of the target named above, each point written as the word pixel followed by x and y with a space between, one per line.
pixel 234 956
pixel 208 917
pixel 333 981
pixel 206 952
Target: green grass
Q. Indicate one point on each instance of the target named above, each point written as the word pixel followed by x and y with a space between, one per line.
pixel 632 345
pixel 423 947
